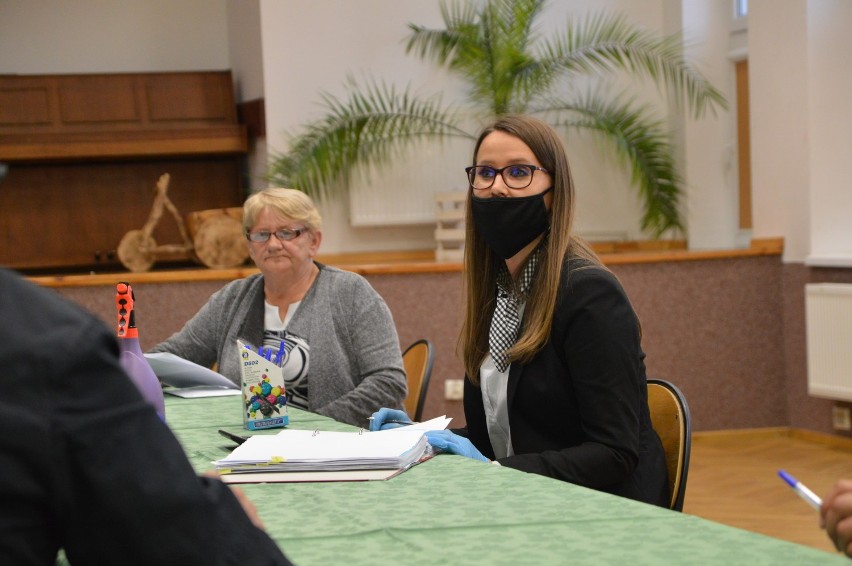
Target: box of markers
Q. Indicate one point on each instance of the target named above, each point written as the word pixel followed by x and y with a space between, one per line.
pixel 264 394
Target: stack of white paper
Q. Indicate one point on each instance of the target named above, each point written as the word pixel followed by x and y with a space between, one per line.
pixel 304 450
pixel 326 451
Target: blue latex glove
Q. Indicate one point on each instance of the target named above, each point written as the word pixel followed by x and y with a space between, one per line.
pixel 454 444
pixel 380 418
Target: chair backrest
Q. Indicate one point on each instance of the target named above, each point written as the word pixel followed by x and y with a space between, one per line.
pixel 417 360
pixel 671 420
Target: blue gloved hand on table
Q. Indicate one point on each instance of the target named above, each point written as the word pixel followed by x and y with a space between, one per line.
pixel 382 416
pixel 454 444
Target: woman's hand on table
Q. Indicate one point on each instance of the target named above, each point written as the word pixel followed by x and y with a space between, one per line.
pixel 454 444
pixel 248 507
pixel 385 419
pixel 245 503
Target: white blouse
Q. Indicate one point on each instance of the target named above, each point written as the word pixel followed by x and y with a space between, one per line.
pixel 494 386
pixel 272 317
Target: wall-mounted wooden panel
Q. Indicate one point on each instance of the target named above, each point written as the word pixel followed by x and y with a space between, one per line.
pixel 24 106
pixel 97 101
pixel 196 98
pixel 49 117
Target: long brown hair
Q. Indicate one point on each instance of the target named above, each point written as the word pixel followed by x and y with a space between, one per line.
pixel 482 266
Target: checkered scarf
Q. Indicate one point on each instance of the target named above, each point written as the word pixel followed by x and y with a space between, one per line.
pixel 506 322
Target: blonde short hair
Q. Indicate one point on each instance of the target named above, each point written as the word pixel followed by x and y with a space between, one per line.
pixel 289 203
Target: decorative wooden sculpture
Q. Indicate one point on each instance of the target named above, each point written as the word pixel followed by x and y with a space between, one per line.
pixel 214 237
pixel 218 237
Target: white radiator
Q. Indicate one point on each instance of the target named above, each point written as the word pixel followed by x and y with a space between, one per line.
pixel 828 326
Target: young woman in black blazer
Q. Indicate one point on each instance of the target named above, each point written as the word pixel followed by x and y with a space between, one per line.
pixel 555 376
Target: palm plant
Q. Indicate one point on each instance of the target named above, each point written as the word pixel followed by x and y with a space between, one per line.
pixel 492 46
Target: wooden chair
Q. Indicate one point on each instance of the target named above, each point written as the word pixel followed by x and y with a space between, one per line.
pixel 417 360
pixel 671 420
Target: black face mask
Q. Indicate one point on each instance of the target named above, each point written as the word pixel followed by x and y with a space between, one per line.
pixel 509 224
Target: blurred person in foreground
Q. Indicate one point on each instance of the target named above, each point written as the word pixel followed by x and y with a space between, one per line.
pixel 87 465
pixel 342 356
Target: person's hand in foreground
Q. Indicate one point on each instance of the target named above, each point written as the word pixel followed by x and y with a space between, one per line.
pixel 248 507
pixel 454 444
pixel 245 503
pixel 382 416
pixel 835 516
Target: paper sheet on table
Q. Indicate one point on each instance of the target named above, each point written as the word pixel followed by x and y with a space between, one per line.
pixel 307 450
pixel 438 423
pixel 178 372
pixel 311 477
pixel 202 391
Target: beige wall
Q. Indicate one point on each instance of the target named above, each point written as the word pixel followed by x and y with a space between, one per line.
pixel 120 36
pixel 729 333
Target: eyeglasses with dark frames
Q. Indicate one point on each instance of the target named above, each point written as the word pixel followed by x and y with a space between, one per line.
pixel 516 176
pixel 284 235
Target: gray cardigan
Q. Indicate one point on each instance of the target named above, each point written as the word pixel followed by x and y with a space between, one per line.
pixel 355 364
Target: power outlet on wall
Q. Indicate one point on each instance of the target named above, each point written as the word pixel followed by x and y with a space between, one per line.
pixel 840 418
pixel 453 389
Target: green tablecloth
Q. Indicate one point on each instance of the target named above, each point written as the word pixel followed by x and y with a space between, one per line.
pixel 453 510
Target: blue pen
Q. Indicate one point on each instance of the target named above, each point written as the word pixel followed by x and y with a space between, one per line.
pixel 809 496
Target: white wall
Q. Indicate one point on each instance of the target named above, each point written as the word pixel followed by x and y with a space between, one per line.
pixel 245 48
pixel 310 48
pixel 801 122
pixel 109 36
pixel 709 144
pixel 779 117
pixel 246 62
pixel 829 85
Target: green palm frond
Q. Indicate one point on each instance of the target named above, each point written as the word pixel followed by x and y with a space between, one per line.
pixel 517 76
pixel 375 124
pixel 642 143
pixel 490 48
pixel 604 43
pixel 440 45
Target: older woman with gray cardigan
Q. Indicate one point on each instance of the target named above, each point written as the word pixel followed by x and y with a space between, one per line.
pixel 343 357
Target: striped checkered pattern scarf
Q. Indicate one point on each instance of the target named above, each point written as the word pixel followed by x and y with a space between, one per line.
pixel 506 321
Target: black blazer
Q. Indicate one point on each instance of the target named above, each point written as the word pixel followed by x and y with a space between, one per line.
pixel 578 411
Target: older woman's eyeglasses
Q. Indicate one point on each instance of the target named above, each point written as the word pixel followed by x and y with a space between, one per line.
pixel 516 176
pixel 284 234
